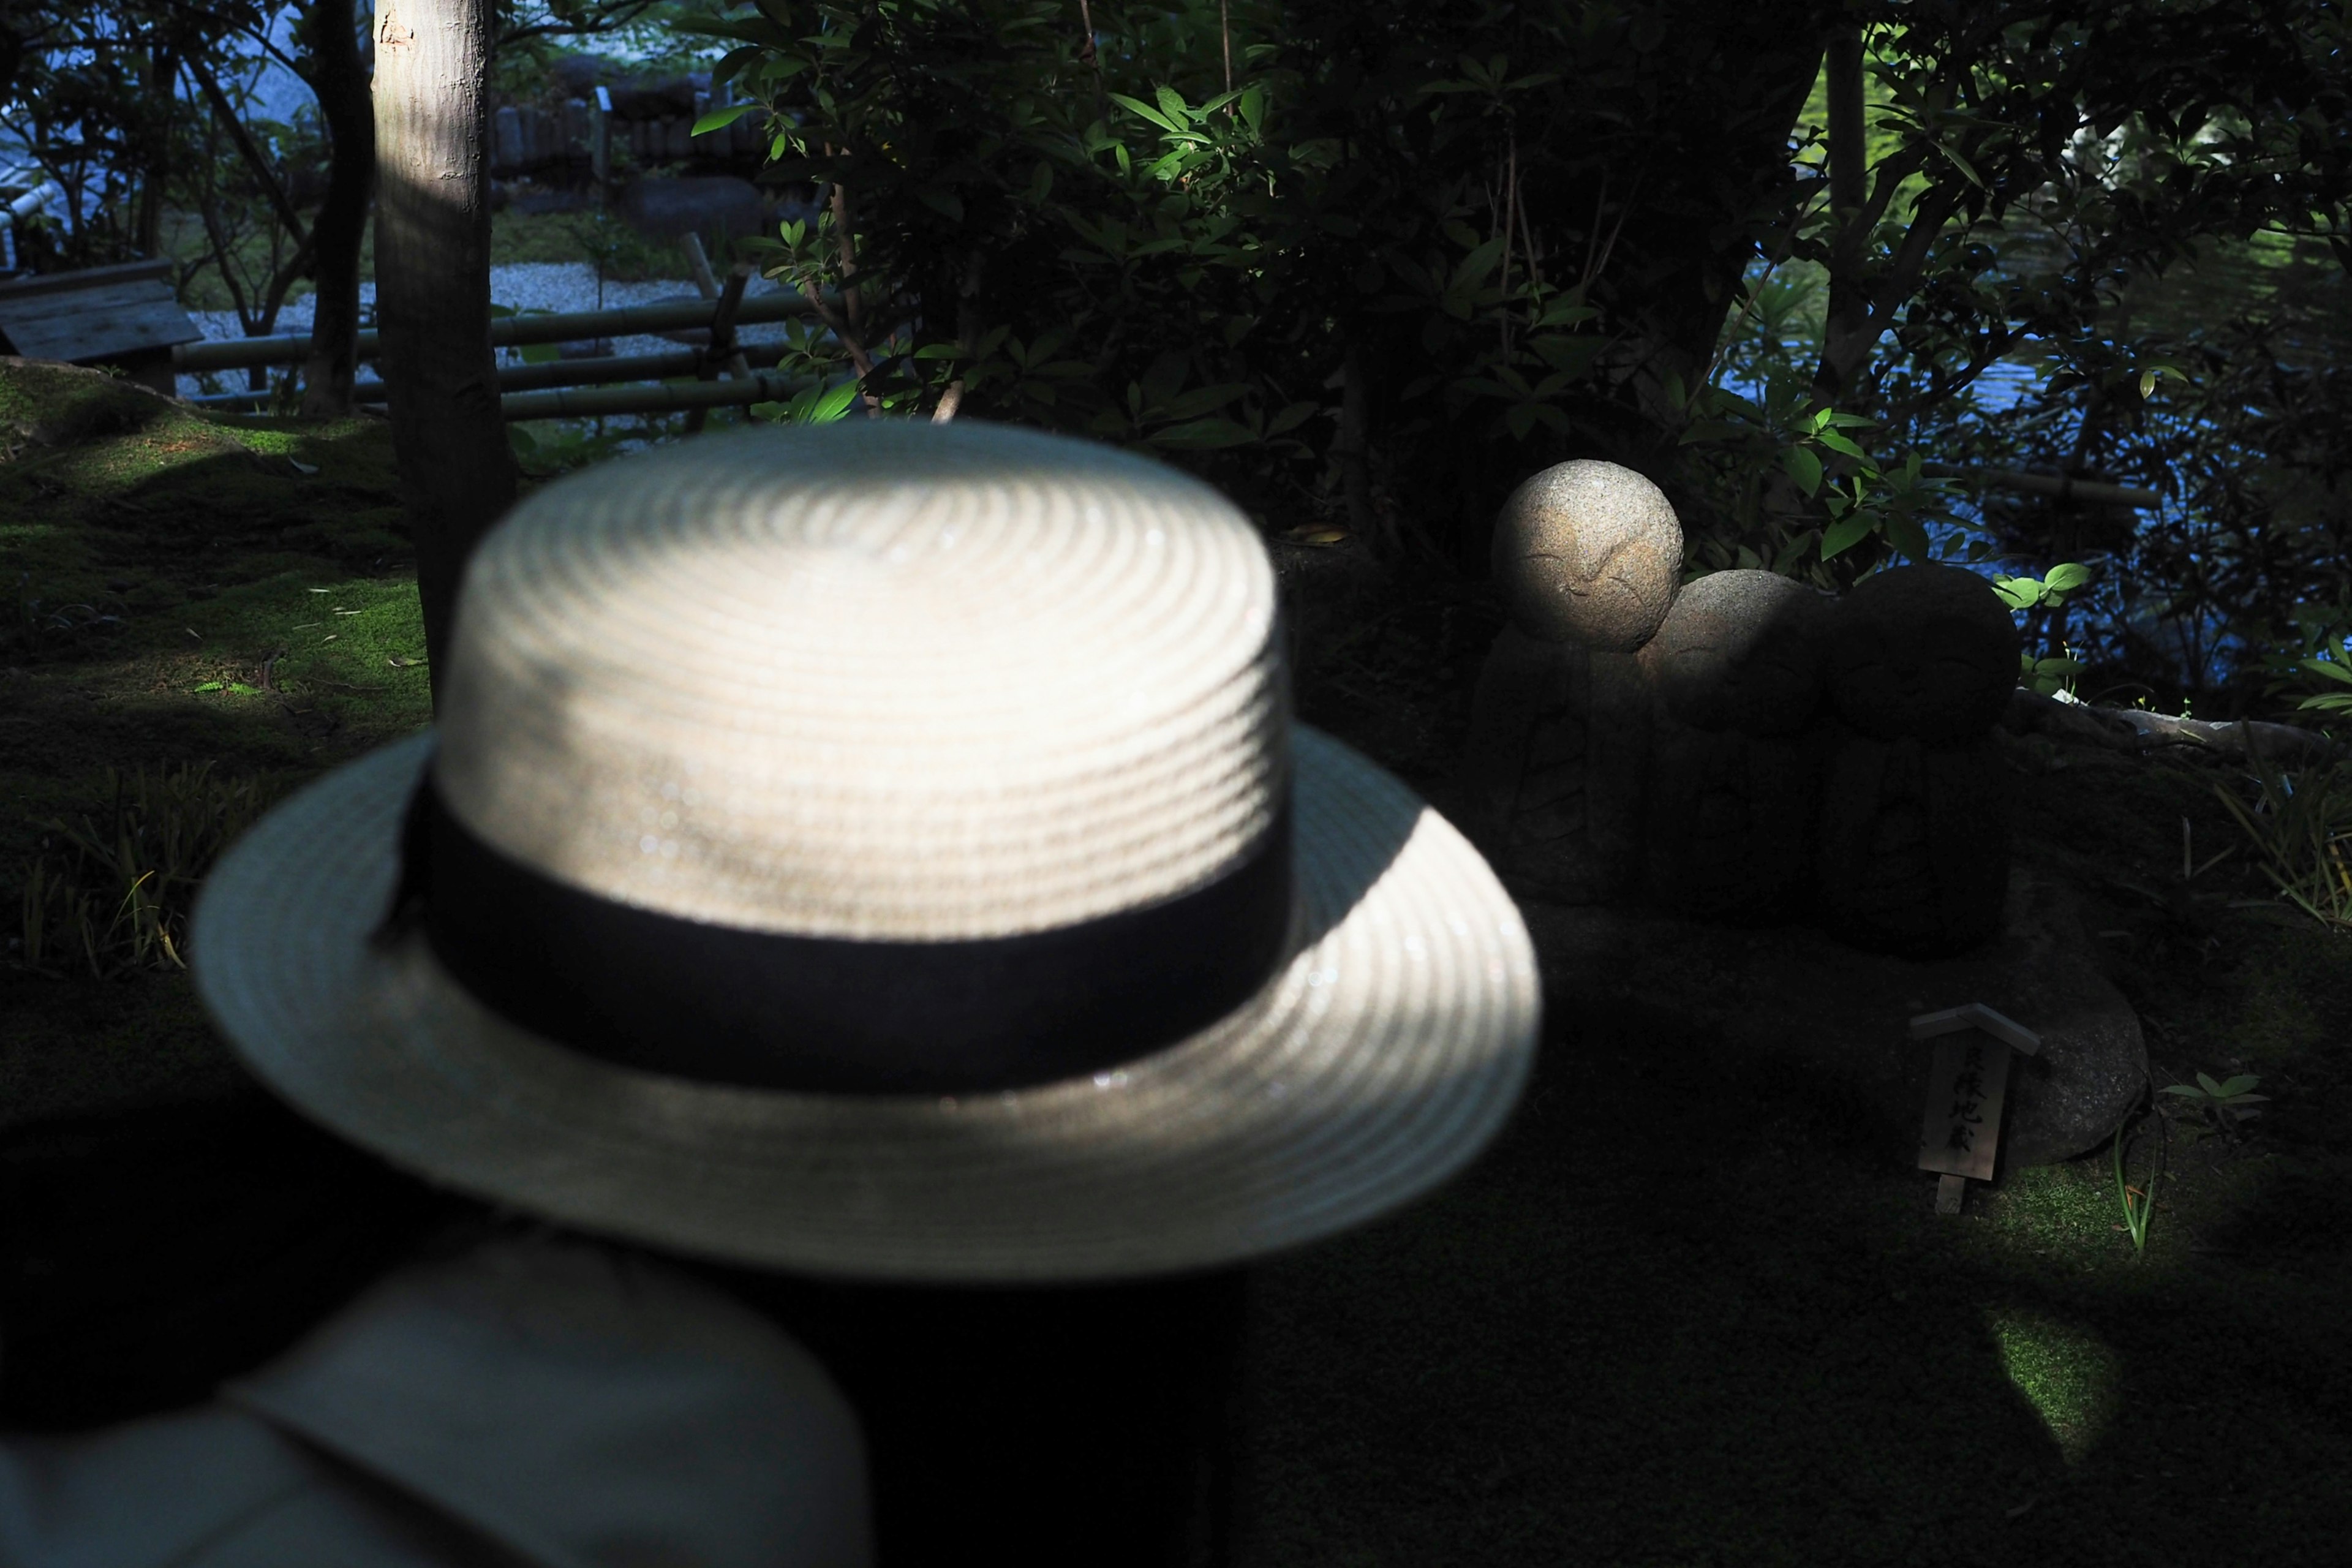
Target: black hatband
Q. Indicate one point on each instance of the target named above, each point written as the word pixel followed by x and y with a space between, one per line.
pixel 724 1004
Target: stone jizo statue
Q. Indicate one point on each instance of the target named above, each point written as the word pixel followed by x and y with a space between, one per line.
pixel 1742 746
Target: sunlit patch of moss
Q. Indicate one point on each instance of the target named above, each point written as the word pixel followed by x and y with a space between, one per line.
pixel 2062 1209
pixel 2069 1375
pixel 355 644
pixel 271 442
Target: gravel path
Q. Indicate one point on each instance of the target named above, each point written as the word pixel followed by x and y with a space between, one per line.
pixel 527 286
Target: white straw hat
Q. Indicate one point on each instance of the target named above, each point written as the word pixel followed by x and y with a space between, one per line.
pixel 880 851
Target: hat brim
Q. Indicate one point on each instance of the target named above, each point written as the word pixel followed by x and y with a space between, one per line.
pixel 1374 1064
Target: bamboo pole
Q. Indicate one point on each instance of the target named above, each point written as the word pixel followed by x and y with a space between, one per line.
pixel 518 377
pixel 508 331
pixel 765 387
pixel 2057 485
pixel 577 401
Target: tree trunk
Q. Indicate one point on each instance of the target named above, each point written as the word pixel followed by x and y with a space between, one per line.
pixel 341 84
pixel 433 287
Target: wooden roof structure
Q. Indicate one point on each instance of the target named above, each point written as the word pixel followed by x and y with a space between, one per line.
pixel 95 315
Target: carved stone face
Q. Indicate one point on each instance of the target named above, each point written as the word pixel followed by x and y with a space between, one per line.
pixel 1741 651
pixel 1589 552
pixel 1923 652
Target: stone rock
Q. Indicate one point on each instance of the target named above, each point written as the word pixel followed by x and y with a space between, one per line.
pixel 1796 995
pixel 1589 552
pixel 1923 652
pixel 1555 769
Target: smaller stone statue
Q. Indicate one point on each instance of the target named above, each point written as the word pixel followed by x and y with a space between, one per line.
pixel 1735 777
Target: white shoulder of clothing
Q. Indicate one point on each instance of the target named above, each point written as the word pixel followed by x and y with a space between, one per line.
pixel 528 1404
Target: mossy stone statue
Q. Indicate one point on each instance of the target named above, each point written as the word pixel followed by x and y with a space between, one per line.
pixel 1913 841
pixel 1729 824
pixel 1589 552
pixel 1556 766
pixel 1912 847
pixel 1735 775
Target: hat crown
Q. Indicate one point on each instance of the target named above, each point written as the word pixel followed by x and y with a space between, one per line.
pixel 877 680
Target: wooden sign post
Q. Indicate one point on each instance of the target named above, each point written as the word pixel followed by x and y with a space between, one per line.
pixel 1966 1088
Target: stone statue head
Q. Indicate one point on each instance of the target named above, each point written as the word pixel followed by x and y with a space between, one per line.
pixel 1741 651
pixel 1923 652
pixel 1589 552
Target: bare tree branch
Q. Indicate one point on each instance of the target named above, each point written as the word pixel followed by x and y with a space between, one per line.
pixel 250 150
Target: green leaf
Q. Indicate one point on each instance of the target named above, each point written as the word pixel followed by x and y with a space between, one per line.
pixel 1203 400
pixel 824 406
pixel 1837 443
pixel 1172 105
pixel 1292 417
pixel 2331 669
pixel 2210 1086
pixel 1475 267
pixel 2184 1090
pixel 1204 435
pixel 2018 592
pixel 541 353
pixel 212 686
pixel 720 119
pixel 2067 577
pixel 1137 106
pixel 1845 534
pixel 1906 535
pixel 947 204
pixel 1801 466
pixel 1253 107
pixel 2233 1088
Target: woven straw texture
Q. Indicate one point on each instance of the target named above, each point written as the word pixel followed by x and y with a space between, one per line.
pixel 776 683
pixel 887 681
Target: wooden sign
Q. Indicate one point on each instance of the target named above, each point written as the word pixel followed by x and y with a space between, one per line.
pixel 1967 1085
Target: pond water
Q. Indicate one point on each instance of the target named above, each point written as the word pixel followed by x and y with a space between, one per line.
pixel 2295 285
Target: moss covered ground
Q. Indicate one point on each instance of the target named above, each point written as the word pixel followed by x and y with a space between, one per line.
pixel 1677 1316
